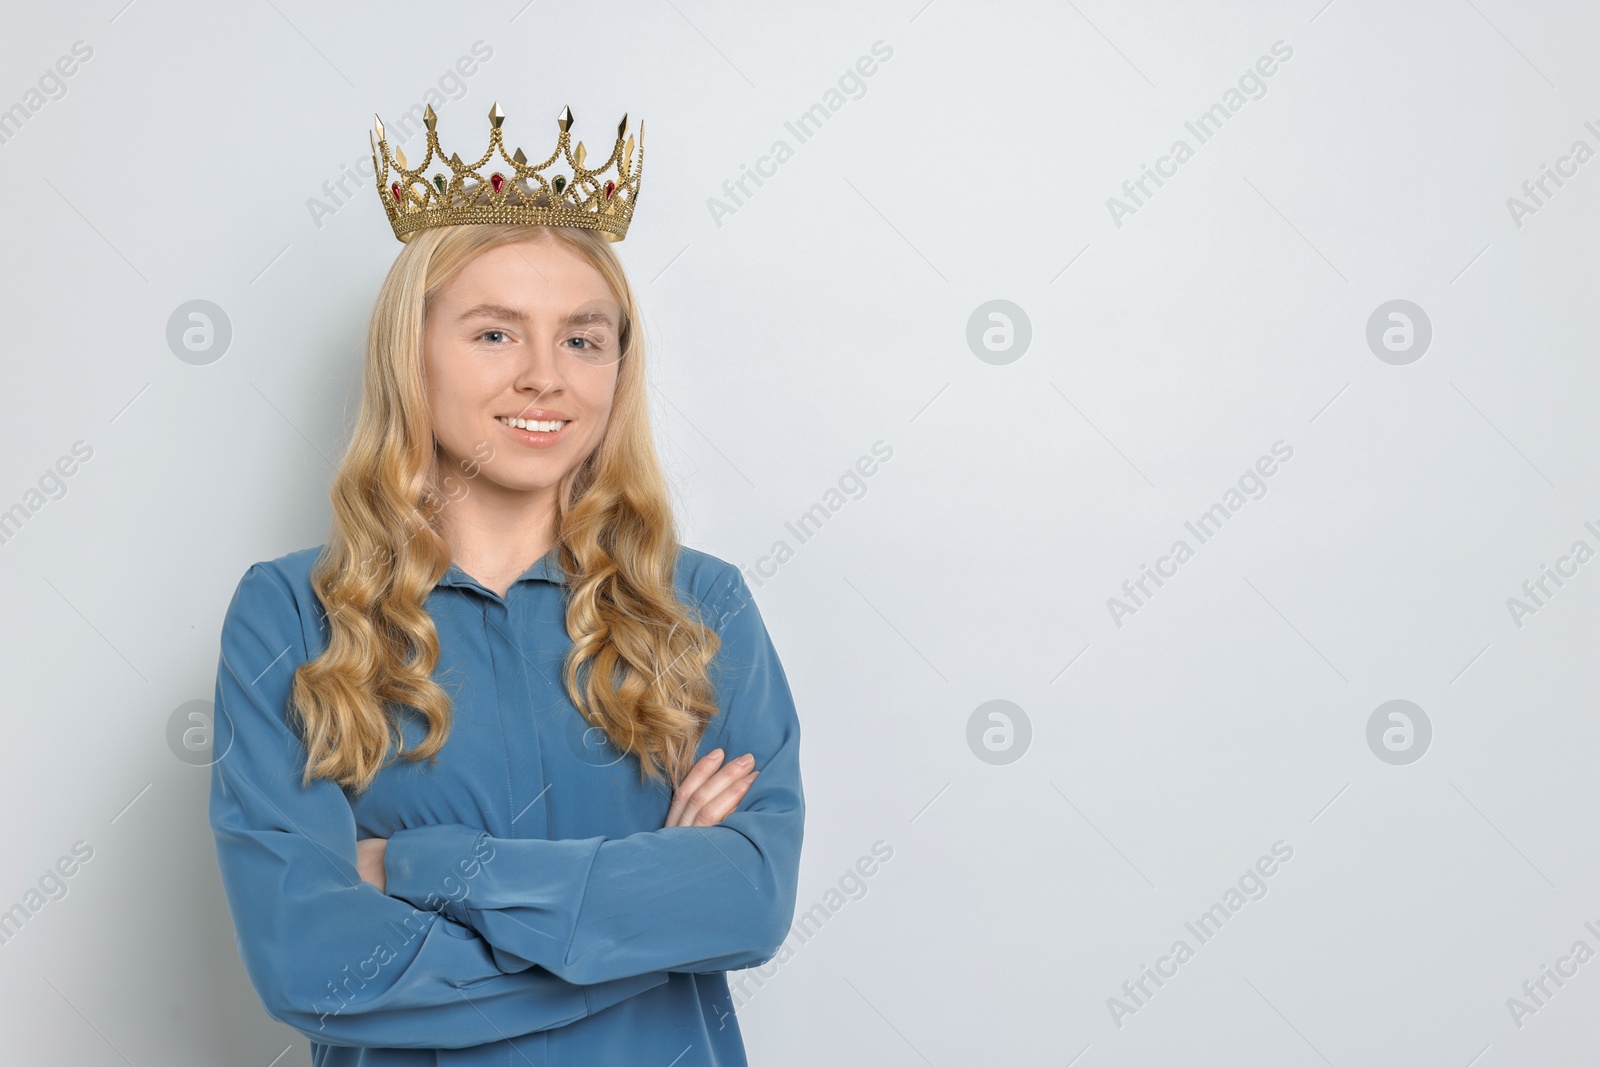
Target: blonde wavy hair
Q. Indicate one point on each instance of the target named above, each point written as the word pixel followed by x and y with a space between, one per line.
pixel 639 659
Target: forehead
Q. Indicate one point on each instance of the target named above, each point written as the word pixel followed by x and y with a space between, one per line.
pixel 535 275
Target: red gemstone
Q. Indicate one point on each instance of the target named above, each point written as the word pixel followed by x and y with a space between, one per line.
pixel 497 181
pixel 396 190
pixel 611 187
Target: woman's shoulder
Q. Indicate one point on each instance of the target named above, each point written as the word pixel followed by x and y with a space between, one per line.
pixel 280 585
pixel 705 577
pixel 712 583
pixel 292 569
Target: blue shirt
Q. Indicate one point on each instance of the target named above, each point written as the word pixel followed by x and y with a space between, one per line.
pixel 536 910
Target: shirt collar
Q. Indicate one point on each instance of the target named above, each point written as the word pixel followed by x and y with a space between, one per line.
pixel 547 568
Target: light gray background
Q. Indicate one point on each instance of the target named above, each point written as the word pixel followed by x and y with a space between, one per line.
pixel 831 311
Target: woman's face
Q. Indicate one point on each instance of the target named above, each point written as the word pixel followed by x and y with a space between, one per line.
pixel 524 331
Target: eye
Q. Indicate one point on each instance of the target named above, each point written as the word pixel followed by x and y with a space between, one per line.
pixel 486 333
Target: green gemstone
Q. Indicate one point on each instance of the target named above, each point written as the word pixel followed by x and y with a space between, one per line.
pixel 438 182
pixel 560 183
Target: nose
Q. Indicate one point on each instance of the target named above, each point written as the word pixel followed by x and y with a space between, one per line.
pixel 539 375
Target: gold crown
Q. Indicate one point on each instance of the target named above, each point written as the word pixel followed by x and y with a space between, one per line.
pixel 561 191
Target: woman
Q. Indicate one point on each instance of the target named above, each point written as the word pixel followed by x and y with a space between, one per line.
pixel 471 790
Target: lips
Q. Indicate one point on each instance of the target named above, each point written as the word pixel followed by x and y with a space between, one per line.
pixel 535 434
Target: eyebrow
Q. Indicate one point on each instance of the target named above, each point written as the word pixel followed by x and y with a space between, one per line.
pixel 501 311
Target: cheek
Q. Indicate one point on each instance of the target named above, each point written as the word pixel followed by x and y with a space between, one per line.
pixel 436 377
pixel 600 397
pixel 455 386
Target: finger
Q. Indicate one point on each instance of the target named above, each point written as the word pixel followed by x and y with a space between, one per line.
pixel 727 801
pixel 718 782
pixel 699 773
pixel 713 809
pixel 695 798
pixel 703 769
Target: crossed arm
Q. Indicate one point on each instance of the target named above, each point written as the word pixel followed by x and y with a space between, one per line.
pixel 712 890
pixel 553 931
pixel 707 795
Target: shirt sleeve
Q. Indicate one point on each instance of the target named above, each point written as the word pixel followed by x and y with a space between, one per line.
pixel 682 898
pixel 327 953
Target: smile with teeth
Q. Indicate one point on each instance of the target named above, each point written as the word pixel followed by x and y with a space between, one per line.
pixel 533 425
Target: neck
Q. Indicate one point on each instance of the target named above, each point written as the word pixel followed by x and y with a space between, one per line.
pixel 495 533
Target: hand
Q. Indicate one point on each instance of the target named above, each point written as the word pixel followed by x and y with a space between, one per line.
pixel 369 860
pixel 709 795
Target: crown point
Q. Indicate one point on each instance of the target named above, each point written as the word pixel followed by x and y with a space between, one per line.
pixel 580 197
